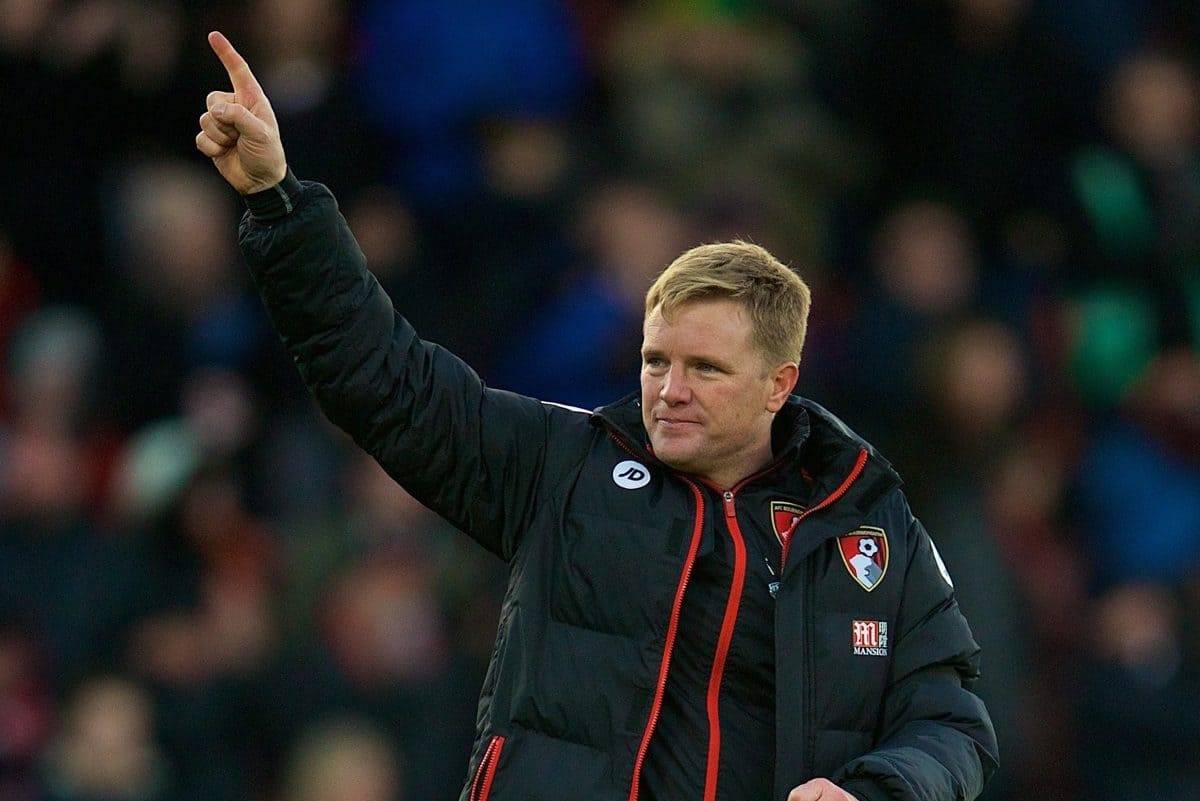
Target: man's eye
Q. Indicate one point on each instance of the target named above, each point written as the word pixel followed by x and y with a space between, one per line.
pixel 654 361
pixel 705 367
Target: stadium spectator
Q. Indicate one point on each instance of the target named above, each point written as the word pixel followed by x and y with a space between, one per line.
pixel 925 263
pixel 1138 699
pixel 26 713
pixel 343 761
pixel 578 348
pixel 430 71
pixel 177 287
pixel 105 749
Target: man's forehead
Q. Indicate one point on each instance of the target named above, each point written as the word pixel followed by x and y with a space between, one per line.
pixel 708 323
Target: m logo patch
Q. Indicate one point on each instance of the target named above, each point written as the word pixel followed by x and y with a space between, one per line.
pixel 784 516
pixel 869 637
pixel 865 554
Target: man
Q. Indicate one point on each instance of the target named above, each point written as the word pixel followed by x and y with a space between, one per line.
pixel 717 590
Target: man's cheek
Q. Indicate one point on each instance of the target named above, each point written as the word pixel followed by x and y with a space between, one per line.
pixel 650 391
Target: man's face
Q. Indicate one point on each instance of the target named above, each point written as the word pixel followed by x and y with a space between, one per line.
pixel 708 398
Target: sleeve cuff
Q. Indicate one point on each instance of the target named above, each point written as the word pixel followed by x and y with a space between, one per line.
pixel 865 790
pixel 276 201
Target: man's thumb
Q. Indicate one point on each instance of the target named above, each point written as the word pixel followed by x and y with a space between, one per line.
pixel 239 117
pixel 812 790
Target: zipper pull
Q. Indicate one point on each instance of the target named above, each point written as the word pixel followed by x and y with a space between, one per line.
pixel 773 584
pixel 729 510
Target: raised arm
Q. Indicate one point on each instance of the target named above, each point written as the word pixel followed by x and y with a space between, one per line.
pixel 477 456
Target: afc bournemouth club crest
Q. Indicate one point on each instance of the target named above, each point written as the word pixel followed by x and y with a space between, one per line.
pixel 784 516
pixel 865 554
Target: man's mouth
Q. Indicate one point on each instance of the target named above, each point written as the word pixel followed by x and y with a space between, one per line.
pixel 676 423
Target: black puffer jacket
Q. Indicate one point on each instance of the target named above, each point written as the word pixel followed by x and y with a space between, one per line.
pixel 872 654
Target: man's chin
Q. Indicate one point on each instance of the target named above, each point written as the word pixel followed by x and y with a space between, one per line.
pixel 674 456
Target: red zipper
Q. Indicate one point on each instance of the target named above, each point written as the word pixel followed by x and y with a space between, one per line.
pixel 668 647
pixel 725 638
pixel 723 643
pixel 482 784
pixel 855 472
pixel 735 596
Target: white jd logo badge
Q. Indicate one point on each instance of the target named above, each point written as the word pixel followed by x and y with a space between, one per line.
pixel 630 475
pixel 865 554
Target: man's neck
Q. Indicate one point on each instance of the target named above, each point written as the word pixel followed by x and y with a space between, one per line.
pixel 746 465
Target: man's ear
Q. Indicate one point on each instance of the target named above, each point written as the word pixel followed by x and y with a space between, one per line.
pixel 783 381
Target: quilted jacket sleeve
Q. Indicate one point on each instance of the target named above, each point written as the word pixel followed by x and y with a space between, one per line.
pixel 473 454
pixel 935 741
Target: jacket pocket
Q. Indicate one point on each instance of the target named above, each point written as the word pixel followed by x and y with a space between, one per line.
pixel 481 785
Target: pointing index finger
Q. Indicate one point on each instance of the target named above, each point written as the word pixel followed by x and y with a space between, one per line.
pixel 239 71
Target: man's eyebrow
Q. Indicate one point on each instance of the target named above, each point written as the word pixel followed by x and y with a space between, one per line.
pixel 698 358
pixel 713 360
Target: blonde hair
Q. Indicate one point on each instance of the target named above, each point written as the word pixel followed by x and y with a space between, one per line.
pixel 776 298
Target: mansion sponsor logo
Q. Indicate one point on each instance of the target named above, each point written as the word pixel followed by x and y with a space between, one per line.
pixel 869 637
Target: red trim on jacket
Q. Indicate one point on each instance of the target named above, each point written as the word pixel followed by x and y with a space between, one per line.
pixel 859 464
pixel 735 596
pixel 669 645
pixel 486 770
pixel 723 643
pixel 732 605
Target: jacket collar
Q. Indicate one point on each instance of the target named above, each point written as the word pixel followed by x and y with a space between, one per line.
pixel 804 434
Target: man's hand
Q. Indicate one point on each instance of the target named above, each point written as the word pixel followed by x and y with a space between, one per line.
pixel 819 790
pixel 239 132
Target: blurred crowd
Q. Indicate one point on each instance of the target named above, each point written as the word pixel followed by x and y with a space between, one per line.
pixel 207 593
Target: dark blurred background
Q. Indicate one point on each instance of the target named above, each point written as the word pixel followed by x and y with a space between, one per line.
pixel 207 594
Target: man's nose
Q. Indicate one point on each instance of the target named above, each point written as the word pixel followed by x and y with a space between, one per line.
pixel 674 388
